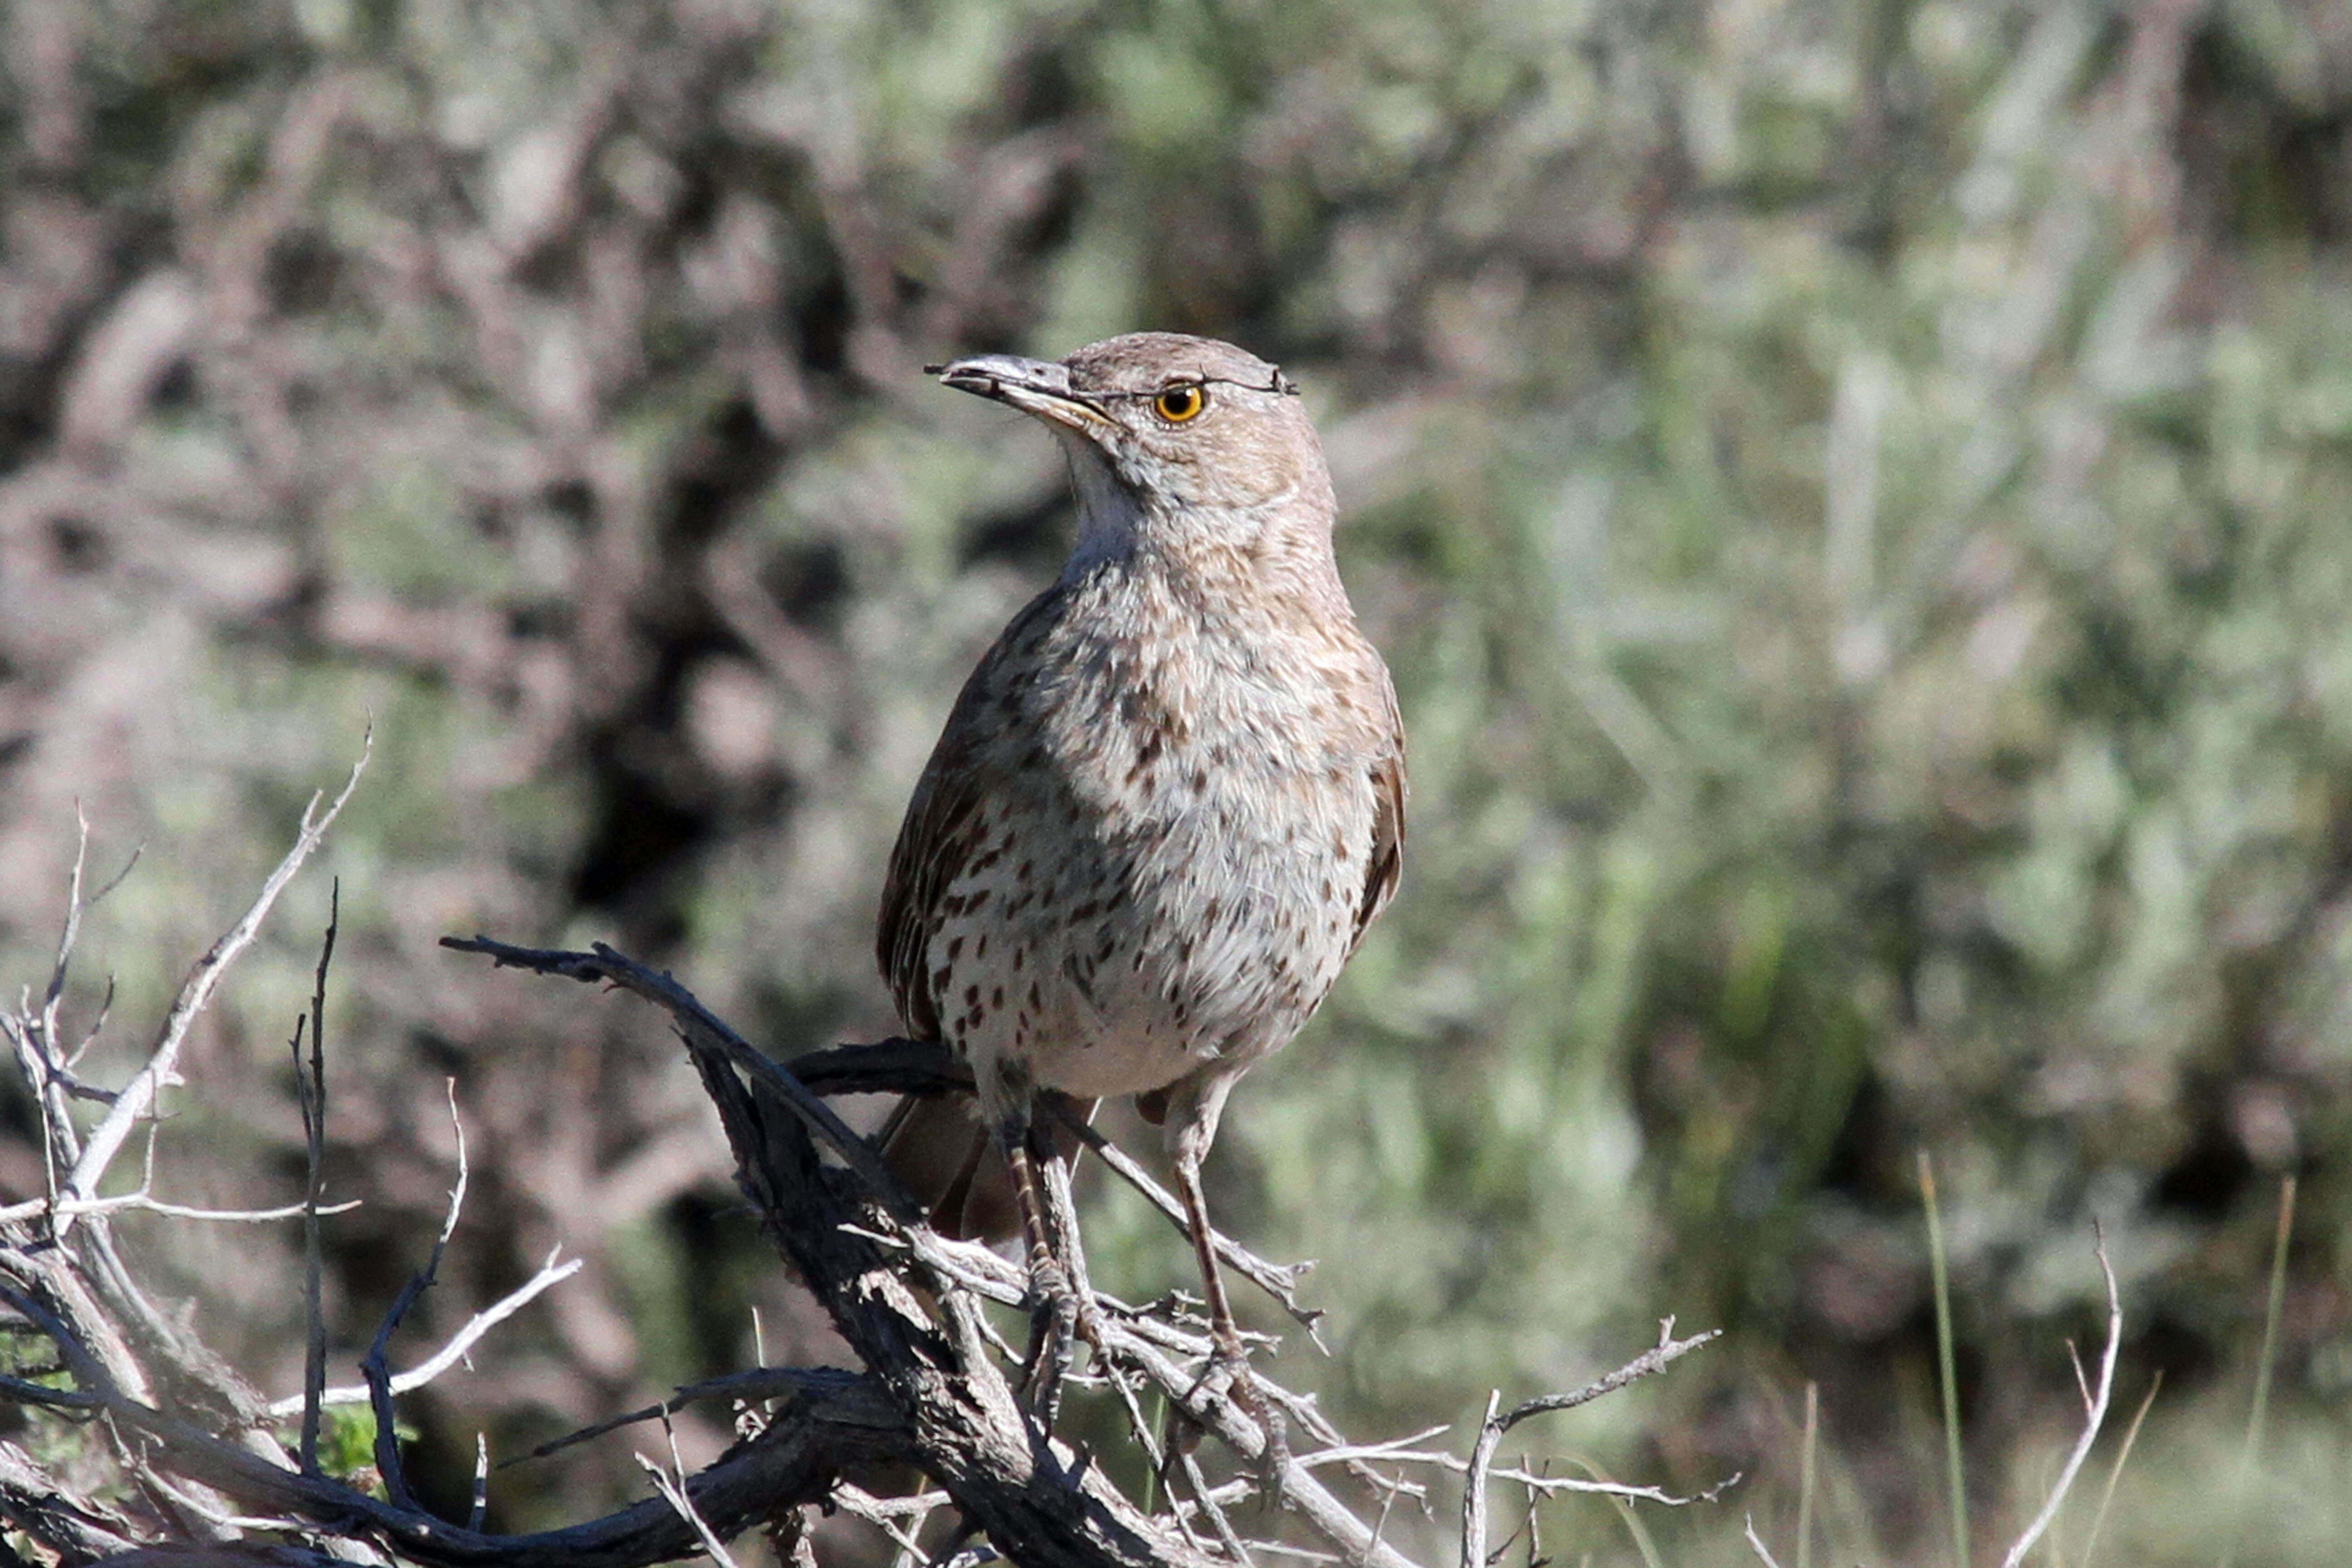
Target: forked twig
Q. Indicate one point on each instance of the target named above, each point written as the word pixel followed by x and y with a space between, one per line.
pixel 137 1098
pixel 603 964
pixel 673 1491
pixel 2094 1418
pixel 1655 1360
pixel 373 1367
pixel 455 1350
pixel 759 1383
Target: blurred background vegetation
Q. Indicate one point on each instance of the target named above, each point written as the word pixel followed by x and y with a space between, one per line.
pixel 1855 492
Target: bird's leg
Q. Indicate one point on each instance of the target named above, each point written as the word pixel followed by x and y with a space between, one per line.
pixel 1061 1217
pixel 1052 1308
pixel 1225 1335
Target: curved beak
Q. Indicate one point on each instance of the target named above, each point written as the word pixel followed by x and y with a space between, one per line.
pixel 1033 385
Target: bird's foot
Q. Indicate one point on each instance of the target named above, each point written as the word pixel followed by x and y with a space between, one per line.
pixel 1229 1362
pixel 1060 1319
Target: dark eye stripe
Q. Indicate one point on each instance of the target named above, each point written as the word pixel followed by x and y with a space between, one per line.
pixel 1279 384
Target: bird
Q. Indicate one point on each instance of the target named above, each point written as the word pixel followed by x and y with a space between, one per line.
pixel 1171 798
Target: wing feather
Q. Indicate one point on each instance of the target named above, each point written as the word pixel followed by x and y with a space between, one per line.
pixel 1387 861
pixel 936 838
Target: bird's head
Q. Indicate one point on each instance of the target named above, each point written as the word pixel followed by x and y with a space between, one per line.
pixel 1179 440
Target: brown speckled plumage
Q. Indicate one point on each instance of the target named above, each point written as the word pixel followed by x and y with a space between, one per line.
pixel 1172 797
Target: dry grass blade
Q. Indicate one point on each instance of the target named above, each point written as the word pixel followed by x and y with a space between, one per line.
pixel 2115 1471
pixel 1955 1472
pixel 1808 1474
pixel 1635 1528
pixel 2264 1365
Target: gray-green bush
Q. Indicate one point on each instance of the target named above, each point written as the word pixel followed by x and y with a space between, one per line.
pixel 1853 493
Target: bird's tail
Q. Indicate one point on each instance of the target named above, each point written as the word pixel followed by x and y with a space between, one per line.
pixel 937 1146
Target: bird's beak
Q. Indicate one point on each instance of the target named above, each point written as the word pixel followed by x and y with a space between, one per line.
pixel 1033 385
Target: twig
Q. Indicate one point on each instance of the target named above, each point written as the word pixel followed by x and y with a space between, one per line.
pixel 35 1035
pixel 759 1383
pixel 1206 1497
pixel 312 1093
pixel 25 1391
pixel 137 1098
pixel 2093 1420
pixel 139 1203
pixel 1656 1359
pixel 1755 1542
pixel 673 1492
pixel 867 1506
pixel 1630 1493
pixel 372 1366
pixel 53 998
pixel 602 962
pixel 550 1274
pixel 898 1518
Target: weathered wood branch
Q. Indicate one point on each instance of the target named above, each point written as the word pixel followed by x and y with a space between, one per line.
pixel 1033 1497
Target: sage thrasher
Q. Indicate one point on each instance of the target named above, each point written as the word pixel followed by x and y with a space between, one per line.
pixel 1172 797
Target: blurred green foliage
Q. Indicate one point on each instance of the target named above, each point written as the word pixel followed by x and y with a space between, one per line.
pixel 1854 493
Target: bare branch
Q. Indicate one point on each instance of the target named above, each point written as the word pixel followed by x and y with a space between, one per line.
pixel 373 1366
pixel 673 1492
pixel 80 1529
pixel 2092 1419
pixel 971 1434
pixel 139 1203
pixel 603 964
pixel 137 1098
pixel 759 1383
pixel 1655 1360
pixel 934 1396
pixel 459 1343
pixel 312 1087
pixel 1549 1484
pixel 898 1518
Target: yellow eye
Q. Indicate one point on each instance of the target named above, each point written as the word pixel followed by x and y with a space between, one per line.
pixel 1179 404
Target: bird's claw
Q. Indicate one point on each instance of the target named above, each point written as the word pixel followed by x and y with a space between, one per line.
pixel 1052 1325
pixel 1229 1365
pixel 1060 1320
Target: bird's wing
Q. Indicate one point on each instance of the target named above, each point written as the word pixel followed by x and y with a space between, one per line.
pixel 1387 861
pixel 940 831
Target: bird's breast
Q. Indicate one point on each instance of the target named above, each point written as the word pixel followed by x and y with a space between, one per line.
pixel 1171 871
